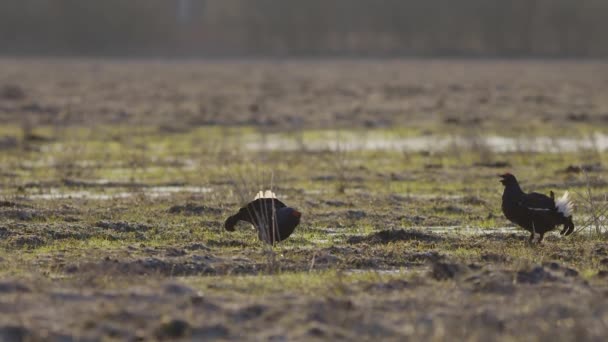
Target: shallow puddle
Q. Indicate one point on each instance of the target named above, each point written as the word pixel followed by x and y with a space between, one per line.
pixel 468 230
pixel 354 142
pixel 155 191
pixel 390 271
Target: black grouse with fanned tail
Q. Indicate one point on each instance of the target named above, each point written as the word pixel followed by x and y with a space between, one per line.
pixel 536 213
pixel 273 220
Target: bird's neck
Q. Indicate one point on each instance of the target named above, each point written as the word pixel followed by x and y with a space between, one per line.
pixel 512 190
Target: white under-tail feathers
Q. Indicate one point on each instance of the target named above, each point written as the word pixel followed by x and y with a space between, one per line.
pixel 565 205
pixel 265 194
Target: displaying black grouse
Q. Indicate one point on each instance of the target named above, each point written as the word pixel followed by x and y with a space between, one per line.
pixel 535 212
pixel 273 220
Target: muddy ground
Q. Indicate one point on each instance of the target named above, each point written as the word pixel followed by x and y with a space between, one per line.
pixel 116 177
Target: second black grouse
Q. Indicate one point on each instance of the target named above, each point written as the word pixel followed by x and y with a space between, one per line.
pixel 536 213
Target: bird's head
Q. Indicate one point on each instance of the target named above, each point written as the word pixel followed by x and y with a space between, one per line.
pixel 288 216
pixel 507 179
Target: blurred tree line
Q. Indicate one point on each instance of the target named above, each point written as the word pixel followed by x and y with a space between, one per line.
pixel 305 27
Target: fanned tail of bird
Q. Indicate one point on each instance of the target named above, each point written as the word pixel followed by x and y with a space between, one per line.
pixel 565 205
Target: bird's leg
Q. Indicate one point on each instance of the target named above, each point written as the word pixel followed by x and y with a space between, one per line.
pixel 531 237
pixel 532 233
pixel 540 239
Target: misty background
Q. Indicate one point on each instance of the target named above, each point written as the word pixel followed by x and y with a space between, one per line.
pixel 467 28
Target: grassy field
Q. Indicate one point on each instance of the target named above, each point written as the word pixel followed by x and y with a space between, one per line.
pixel 116 177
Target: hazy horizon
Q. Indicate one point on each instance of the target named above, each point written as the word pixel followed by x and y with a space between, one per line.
pixel 337 28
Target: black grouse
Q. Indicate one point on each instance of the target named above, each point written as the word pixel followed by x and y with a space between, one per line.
pixel 273 220
pixel 535 212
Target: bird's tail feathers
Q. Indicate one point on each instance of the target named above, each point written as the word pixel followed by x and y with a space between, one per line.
pixel 265 194
pixel 565 205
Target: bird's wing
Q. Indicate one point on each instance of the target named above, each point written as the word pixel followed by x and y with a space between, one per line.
pixel 537 202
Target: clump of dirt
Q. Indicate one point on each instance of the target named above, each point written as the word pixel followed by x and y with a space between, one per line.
pixel 452 120
pixel 324 178
pixel 491 281
pixel 29 241
pixel 356 214
pixel 495 258
pixel 8 142
pixel 386 236
pixel 193 209
pixel 9 204
pixel 8 286
pixel 249 312
pixel 539 274
pixel 178 289
pixel 12 92
pixel 595 167
pixel 173 329
pixel 600 250
pixel 216 331
pixel 5 232
pixel 444 270
pixel 565 271
pixel 14 333
pixel 432 256
pixel 22 214
pixel 578 117
pixel 123 227
pixel 602 274
pixel 412 219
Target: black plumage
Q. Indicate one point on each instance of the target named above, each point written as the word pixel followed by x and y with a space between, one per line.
pixel 536 213
pixel 272 219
